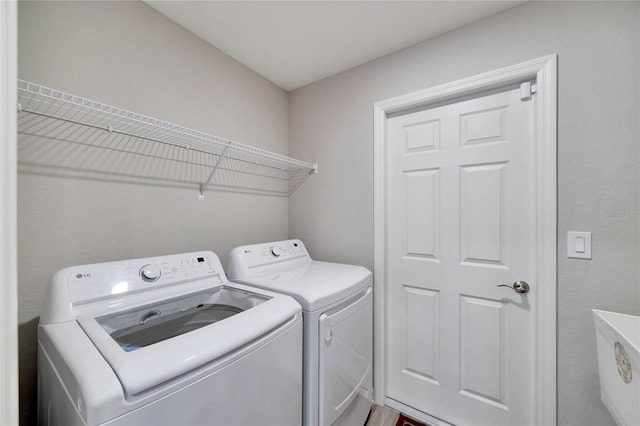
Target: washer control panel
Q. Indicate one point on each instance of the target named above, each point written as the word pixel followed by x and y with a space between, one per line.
pixel 102 280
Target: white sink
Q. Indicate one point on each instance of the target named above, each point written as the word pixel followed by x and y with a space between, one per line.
pixel 618 343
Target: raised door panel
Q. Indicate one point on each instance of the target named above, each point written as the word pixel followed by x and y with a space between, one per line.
pixel 420 334
pixel 423 210
pixel 482 214
pixel 482 349
pixel 422 136
pixel 483 126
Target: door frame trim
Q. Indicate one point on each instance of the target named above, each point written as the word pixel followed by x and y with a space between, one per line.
pixel 544 70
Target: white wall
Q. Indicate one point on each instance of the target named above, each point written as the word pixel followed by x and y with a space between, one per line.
pixel 128 55
pixel 8 216
pixel 598 47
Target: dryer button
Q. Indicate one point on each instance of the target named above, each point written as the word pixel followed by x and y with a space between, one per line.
pixel 276 252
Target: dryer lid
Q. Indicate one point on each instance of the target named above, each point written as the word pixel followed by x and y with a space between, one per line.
pixel 151 344
pixel 314 284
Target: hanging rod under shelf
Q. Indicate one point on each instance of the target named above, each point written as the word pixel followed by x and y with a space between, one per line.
pixel 66 113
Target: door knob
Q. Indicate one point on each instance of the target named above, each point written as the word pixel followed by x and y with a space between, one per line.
pixel 518 286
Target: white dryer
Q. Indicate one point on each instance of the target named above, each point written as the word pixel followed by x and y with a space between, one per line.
pixel 167 341
pixel 338 325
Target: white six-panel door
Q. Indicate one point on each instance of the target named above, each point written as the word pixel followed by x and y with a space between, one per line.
pixel 461 219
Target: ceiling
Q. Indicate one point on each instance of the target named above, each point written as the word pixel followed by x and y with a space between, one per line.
pixel 294 43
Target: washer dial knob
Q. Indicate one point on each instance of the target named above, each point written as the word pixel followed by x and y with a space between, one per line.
pixel 150 273
pixel 275 251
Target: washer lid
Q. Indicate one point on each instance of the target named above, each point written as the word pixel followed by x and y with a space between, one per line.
pixel 315 284
pixel 151 344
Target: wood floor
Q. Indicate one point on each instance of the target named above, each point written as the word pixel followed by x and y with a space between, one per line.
pixel 383 416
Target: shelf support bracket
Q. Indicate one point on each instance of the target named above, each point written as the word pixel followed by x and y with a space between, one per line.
pixel 203 186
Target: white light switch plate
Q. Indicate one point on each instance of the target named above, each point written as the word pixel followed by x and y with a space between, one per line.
pixel 579 245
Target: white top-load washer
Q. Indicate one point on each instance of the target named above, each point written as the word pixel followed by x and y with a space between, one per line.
pixel 167 341
pixel 338 313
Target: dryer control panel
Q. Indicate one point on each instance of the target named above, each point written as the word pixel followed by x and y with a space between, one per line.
pixel 262 258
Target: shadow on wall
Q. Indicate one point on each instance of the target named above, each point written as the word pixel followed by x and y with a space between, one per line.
pixel 28 343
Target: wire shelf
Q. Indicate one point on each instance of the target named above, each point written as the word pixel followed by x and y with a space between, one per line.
pixel 72 136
